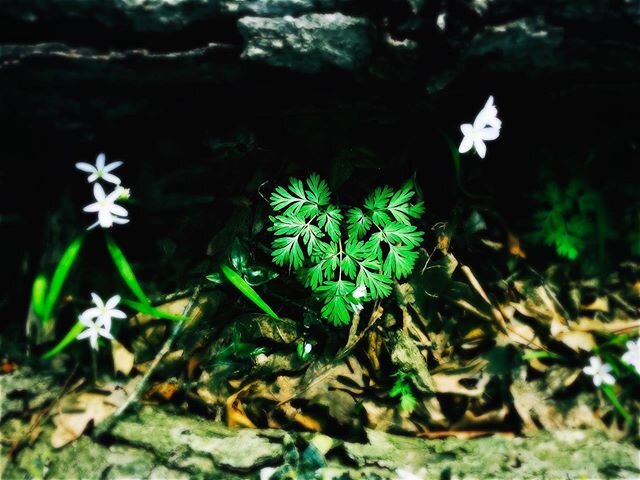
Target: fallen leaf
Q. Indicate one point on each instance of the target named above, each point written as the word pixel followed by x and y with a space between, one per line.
pixel 122 358
pixel 88 407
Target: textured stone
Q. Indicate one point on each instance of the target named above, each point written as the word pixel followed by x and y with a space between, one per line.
pixel 139 15
pixel 276 8
pixel 309 43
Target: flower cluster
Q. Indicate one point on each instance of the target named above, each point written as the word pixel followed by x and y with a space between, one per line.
pixel 97 320
pixel 105 206
pixel 485 127
pixel 601 372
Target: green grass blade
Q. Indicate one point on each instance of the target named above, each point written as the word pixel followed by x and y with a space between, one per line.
pixel 125 270
pixel 60 275
pixel 613 398
pixel 247 290
pixel 64 343
pixel 39 295
pixel 154 312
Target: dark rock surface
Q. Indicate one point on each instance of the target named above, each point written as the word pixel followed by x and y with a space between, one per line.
pixel 158 444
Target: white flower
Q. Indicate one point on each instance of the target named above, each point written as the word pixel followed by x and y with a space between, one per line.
pixel 108 212
pixel 632 355
pixel 485 127
pixel 405 474
pixel 360 292
pixel 103 312
pixel 601 372
pixel 100 170
pixel 307 348
pixel 93 331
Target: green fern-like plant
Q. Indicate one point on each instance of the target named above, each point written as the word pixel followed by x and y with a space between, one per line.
pixel 337 252
pixel 402 389
pixel 571 219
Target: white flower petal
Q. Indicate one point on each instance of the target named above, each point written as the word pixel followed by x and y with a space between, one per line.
pixel 98 192
pixel 105 333
pixel 608 379
pixel 93 339
pixel 120 221
pixel 95 298
pixel 488 133
pixel 590 370
pixel 100 161
pixel 91 313
pixel 480 147
pixel 105 219
pixel 92 178
pixel 94 207
pixel 465 145
pixel 467 129
pixel 108 177
pixel 115 313
pixel 597 380
pixel 111 166
pixel 86 167
pixel 84 334
pixel 118 210
pixel 112 302
pixel 104 321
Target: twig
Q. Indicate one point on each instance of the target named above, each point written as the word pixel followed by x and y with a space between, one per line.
pixel 497 315
pixel 141 386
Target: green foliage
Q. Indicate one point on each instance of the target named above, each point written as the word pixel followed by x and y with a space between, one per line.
pixel 337 251
pixel 39 295
pixel 65 342
pixel 402 388
pixel 571 219
pixel 125 270
pixel 246 289
pixel 57 281
pixel 152 311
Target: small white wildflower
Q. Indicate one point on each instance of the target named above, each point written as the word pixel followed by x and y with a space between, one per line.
pixel 485 127
pixel 93 331
pixel 632 355
pixel 103 312
pixel 100 170
pixel 405 474
pixel 441 21
pixel 360 292
pixel 601 372
pixel 307 348
pixel 108 212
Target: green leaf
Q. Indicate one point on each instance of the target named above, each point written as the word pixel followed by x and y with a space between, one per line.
pixel 399 205
pixel 377 204
pixel 397 232
pixel 125 270
pixel 336 295
pixel 65 342
pixel 39 295
pixel 246 289
pixel 60 275
pixel 378 284
pixel 330 220
pixel 153 311
pixel 400 261
pixel 318 192
pixel 287 250
pixel 358 223
pixel 615 401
